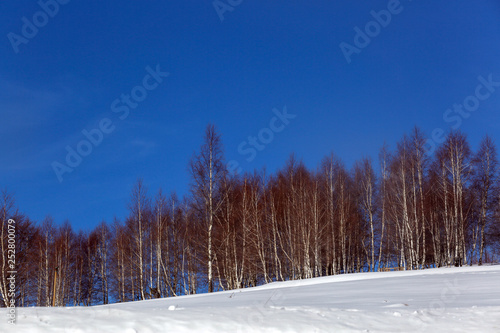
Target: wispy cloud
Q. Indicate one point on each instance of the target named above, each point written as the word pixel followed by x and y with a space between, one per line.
pixel 142 148
pixel 24 108
pixel 26 116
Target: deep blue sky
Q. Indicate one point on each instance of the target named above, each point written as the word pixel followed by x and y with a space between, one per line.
pixel 264 55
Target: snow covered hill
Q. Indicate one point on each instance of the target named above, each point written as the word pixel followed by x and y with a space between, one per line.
pixel 436 300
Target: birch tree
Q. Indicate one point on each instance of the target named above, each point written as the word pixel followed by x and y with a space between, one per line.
pixel 366 186
pixel 207 175
pixel 139 207
pixel 486 171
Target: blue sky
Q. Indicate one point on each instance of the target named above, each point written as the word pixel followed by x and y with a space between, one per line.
pixel 264 55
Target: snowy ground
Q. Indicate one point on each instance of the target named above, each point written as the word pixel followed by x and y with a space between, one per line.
pixel 435 300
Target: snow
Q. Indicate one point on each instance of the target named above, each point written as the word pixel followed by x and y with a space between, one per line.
pixel 463 299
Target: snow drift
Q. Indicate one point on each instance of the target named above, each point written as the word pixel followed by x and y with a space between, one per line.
pixel 435 300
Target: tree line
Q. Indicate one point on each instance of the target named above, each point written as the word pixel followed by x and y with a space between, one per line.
pixel 406 210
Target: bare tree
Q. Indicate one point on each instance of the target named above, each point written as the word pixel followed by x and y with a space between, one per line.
pixel 160 241
pixel 366 186
pixel 329 168
pixel 244 230
pixel 103 239
pixel 486 167
pixel 138 224
pixel 382 197
pixel 455 160
pixel 419 164
pixel 207 175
